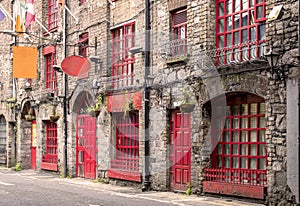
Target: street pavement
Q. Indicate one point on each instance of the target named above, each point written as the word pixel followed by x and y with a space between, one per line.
pixel 29 187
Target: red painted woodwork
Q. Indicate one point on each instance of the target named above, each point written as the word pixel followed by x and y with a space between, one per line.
pixel 125 175
pixel 116 103
pixel 180 151
pixel 51 78
pixel 178 44
pixel 249 191
pixel 52 15
pixel 33 145
pixel 86 147
pixel 50 158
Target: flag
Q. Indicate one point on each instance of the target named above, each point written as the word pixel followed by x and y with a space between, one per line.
pixel 2 15
pixel 18 16
pixel 30 15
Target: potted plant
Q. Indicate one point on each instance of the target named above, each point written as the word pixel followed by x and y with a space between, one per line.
pixel 94 110
pixel 30 116
pixel 54 117
pixel 187 104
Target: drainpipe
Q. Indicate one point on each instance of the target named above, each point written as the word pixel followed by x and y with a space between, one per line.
pixel 298 101
pixel 146 178
pixel 65 100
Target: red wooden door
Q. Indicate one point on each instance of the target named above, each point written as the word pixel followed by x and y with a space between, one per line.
pixel 86 147
pixel 180 150
pixel 33 145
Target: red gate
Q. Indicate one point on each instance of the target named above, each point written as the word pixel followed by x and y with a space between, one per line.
pixel 86 147
pixel 33 145
pixel 180 151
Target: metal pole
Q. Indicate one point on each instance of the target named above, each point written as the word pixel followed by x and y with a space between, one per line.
pixel 146 179
pixel 65 95
pixel 298 101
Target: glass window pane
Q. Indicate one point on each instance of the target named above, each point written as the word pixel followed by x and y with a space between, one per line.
pixel 261 149
pixel 235 150
pixel 244 149
pixel 236 21
pixel 251 3
pixel 244 163
pixel 262 122
pixel 253 150
pixel 253 108
pixel 253 122
pixel 235 162
pixel 221 9
pixel 252 163
pixel 235 123
pixel 244 109
pixel 245 19
pixel 259 12
pixel 244 35
pixel 228 23
pixel 226 149
pixel 235 110
pixel 219 149
pixel 235 136
pixel 261 136
pixel 219 161
pixel 227 124
pixel 228 40
pixel 229 7
pixel 227 162
pixel 244 136
pixel 236 38
pixel 237 5
pixel 244 122
pixel 253 137
pixel 262 163
pixel 261 32
pixel 262 108
pixel 221 41
pixel 245 4
pixel 226 136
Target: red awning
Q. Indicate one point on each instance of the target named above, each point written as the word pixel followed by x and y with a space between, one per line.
pixel 78 66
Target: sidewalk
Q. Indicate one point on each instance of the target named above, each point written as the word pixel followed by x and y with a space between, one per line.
pixel 163 197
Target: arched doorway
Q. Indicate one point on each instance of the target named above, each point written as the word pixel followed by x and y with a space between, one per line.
pixel 239 154
pixel 3 151
pixel 86 148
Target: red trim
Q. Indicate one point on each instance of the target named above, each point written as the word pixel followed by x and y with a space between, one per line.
pixel 49 166
pixel 48 50
pixel 249 191
pixel 117 103
pixel 124 175
pixel 52 15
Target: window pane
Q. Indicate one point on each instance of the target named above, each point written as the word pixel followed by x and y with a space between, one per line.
pixel 235 123
pixel 226 137
pixel 237 5
pixel 221 9
pixel 261 136
pixel 221 41
pixel 253 136
pixel 261 149
pixel 244 109
pixel 235 162
pixel 253 34
pixel 262 108
pixel 251 3
pixel 259 12
pixel 228 40
pixel 227 124
pixel 244 122
pixel 229 7
pixel 235 149
pixel 228 23
pixel 245 4
pixel 253 108
pixel 252 163
pixel 219 149
pixel 262 163
pixel 245 19
pixel 235 136
pixel 227 162
pixel 244 163
pixel 226 149
pixel 219 161
pixel 253 122
pixel 253 150
pixel 262 122
pixel 221 25
pixel 236 37
pixel 244 136
pixel 244 35
pixel 235 110
pixel 244 149
pixel 236 21
pixel 261 32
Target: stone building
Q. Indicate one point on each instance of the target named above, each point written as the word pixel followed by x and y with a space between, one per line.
pixel 218 117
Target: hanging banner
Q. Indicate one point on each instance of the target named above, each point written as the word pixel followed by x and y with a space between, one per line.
pixel 78 66
pixel 25 62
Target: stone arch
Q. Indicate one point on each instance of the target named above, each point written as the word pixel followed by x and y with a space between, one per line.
pixel 82 102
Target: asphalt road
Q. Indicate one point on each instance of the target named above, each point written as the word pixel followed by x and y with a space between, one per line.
pixel 31 188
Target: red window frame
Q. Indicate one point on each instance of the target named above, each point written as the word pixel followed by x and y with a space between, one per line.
pixel 51 152
pixel 50 73
pixel 178 45
pixel 82 2
pixel 240 154
pixel 83 44
pixel 240 31
pixel 126 155
pixel 52 15
pixel 122 59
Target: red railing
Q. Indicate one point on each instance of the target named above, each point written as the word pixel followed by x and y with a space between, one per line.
pixel 50 158
pixel 125 164
pixel 236 176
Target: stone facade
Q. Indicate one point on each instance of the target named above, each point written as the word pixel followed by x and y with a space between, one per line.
pixel 194 72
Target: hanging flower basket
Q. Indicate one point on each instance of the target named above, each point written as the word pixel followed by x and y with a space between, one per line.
pixel 29 117
pixel 54 118
pixel 187 108
pixel 94 113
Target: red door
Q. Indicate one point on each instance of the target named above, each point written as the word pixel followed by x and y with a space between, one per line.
pixel 86 147
pixel 180 151
pixel 33 145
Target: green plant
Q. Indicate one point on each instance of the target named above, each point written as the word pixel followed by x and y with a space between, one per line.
pixel 98 103
pixel 18 167
pixel 188 191
pixel 11 103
